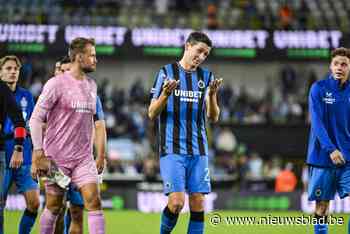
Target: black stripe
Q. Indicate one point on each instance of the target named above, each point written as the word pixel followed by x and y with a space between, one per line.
pixel 197 216
pixel 163 123
pixel 30 213
pixel 200 113
pixel 166 74
pixel 204 119
pixel 189 116
pixel 176 125
pixel 167 212
pixel 210 74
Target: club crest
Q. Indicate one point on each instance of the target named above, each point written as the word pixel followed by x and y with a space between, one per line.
pixel 201 84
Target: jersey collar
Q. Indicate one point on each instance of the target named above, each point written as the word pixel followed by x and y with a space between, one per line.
pixel 336 83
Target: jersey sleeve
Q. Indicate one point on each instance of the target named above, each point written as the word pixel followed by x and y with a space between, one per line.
pixel 210 79
pixel 316 112
pixel 47 100
pixel 99 110
pixel 158 84
pixel 15 114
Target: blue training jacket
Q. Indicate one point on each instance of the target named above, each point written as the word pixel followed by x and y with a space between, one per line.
pixel 329 107
pixel 25 101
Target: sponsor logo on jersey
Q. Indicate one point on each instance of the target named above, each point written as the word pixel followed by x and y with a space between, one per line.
pixel 329 99
pixel 187 95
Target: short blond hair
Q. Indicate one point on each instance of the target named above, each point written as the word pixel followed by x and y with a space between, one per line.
pixel 4 59
pixel 78 45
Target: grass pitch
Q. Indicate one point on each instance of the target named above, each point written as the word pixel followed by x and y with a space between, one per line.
pixel 133 222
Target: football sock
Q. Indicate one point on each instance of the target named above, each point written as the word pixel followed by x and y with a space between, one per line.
pixel 27 221
pixel 47 222
pixel 96 222
pixel 196 224
pixel 168 221
pixel 321 227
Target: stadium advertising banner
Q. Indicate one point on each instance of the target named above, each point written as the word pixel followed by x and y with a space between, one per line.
pixel 159 42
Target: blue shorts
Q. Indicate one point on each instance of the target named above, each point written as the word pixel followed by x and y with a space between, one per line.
pixel 182 173
pixel 74 196
pixel 22 177
pixel 325 182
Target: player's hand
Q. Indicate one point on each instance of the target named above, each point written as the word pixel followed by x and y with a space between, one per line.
pixel 100 164
pixel 34 171
pixel 16 159
pixel 169 86
pixel 337 158
pixel 41 163
pixel 214 86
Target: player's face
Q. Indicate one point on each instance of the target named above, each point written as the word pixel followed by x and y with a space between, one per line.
pixel 57 68
pixel 10 72
pixel 88 59
pixel 340 67
pixel 65 67
pixel 196 53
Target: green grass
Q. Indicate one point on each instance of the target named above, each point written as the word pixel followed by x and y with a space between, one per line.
pixel 132 222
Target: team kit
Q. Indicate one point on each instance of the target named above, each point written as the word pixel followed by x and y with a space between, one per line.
pixel 53 139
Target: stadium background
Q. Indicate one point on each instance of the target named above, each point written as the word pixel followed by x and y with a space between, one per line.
pixel 268 52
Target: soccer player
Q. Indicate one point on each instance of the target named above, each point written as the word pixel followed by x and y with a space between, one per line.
pixel 73 219
pixel 18 165
pixel 329 142
pixel 67 104
pixel 183 96
pixel 74 214
pixel 62 66
pixel 9 108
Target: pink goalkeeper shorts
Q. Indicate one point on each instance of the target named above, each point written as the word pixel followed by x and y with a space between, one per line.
pixel 81 172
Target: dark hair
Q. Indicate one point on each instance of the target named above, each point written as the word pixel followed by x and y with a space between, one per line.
pixel 64 60
pixel 341 51
pixel 3 60
pixel 196 37
pixel 78 45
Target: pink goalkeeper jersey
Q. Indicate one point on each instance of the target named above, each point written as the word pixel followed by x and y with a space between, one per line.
pixel 68 106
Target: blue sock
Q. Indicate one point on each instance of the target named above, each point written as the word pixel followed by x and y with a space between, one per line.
pixel 168 222
pixel 321 227
pixel 67 221
pixel 27 222
pixel 196 225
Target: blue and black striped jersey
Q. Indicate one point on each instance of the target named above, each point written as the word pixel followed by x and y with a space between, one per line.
pixel 181 124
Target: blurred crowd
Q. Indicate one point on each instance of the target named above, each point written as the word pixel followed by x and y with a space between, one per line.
pixel 283 101
pixel 132 145
pixel 196 14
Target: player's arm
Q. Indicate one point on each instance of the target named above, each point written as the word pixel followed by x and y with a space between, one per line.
pixel 160 92
pixel 47 100
pixel 15 115
pixel 100 137
pixel 317 126
pixel 213 110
